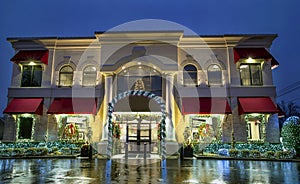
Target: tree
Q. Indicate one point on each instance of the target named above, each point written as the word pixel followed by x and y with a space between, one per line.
pixel 289 109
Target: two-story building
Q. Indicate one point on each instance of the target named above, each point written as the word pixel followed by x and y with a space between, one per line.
pixel 215 87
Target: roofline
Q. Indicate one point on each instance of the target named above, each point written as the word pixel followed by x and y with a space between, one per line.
pixel 50 38
pixel 232 35
pixel 118 32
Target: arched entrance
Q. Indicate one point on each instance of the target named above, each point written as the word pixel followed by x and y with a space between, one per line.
pixel 162 123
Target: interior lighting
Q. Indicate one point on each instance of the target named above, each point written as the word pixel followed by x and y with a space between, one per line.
pixel 139 63
pixel 123 67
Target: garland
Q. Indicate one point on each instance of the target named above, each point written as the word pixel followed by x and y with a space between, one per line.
pixel 116 130
pixel 71 131
pixel 158 132
pixel 147 94
pixel 259 117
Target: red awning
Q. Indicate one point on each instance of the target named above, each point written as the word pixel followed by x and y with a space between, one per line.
pixel 205 105
pixel 73 106
pixel 256 105
pixel 25 105
pixel 31 55
pixel 254 53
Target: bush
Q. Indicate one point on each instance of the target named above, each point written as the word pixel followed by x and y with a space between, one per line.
pixel 245 153
pixel 233 152
pixel 215 146
pixel 270 154
pixel 290 132
pixel 284 154
pixel 42 151
pixel 255 154
pixel 17 152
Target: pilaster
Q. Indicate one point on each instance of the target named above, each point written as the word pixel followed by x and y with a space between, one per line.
pixel 272 129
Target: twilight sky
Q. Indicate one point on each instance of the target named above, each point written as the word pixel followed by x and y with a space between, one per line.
pixel 33 18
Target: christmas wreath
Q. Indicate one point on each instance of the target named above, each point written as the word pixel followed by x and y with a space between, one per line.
pixel 202 130
pixel 71 130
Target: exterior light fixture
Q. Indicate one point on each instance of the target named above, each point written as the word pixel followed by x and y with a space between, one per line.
pixel 250 60
pixel 244 66
pixel 215 67
pixel 31 63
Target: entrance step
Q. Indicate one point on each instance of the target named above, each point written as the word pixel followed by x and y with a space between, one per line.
pixel 137 155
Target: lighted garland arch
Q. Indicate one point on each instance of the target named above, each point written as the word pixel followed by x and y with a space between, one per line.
pixel 147 94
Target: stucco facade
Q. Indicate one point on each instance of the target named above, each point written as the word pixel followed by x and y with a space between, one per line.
pixel 188 72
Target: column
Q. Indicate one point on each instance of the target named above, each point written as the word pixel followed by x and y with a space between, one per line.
pixel 107 98
pixel 169 99
pixel 272 129
pixel 238 122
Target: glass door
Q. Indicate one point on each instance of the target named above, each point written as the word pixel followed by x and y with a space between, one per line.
pixel 138 134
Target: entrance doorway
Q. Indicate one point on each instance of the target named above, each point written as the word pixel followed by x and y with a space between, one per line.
pixel 139 131
pixel 138 137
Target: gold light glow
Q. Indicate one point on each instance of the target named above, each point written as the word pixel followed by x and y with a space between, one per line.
pixel 250 60
pixel 31 63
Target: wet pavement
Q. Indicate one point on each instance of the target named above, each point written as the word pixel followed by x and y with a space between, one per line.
pixel 170 171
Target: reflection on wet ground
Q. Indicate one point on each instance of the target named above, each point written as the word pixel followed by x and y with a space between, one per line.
pixel 169 171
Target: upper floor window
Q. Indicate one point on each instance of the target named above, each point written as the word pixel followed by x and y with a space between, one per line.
pixel 66 76
pixel 89 76
pixel 250 74
pixel 214 74
pixel 190 75
pixel 31 76
pixel 140 78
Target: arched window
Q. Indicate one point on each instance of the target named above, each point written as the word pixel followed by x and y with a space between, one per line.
pixel 214 74
pixel 140 77
pixel 190 75
pixel 66 76
pixel 89 76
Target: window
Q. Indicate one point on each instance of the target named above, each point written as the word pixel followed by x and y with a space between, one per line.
pixel 250 74
pixel 214 74
pixel 189 75
pixel 140 78
pixel 66 76
pixel 89 76
pixel 31 76
pixel 25 128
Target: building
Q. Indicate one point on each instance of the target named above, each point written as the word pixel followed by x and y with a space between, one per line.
pixel 212 87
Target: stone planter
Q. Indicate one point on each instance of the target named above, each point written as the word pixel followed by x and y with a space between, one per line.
pixel 188 152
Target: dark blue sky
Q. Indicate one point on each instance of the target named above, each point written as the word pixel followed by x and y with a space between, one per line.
pixel 32 18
